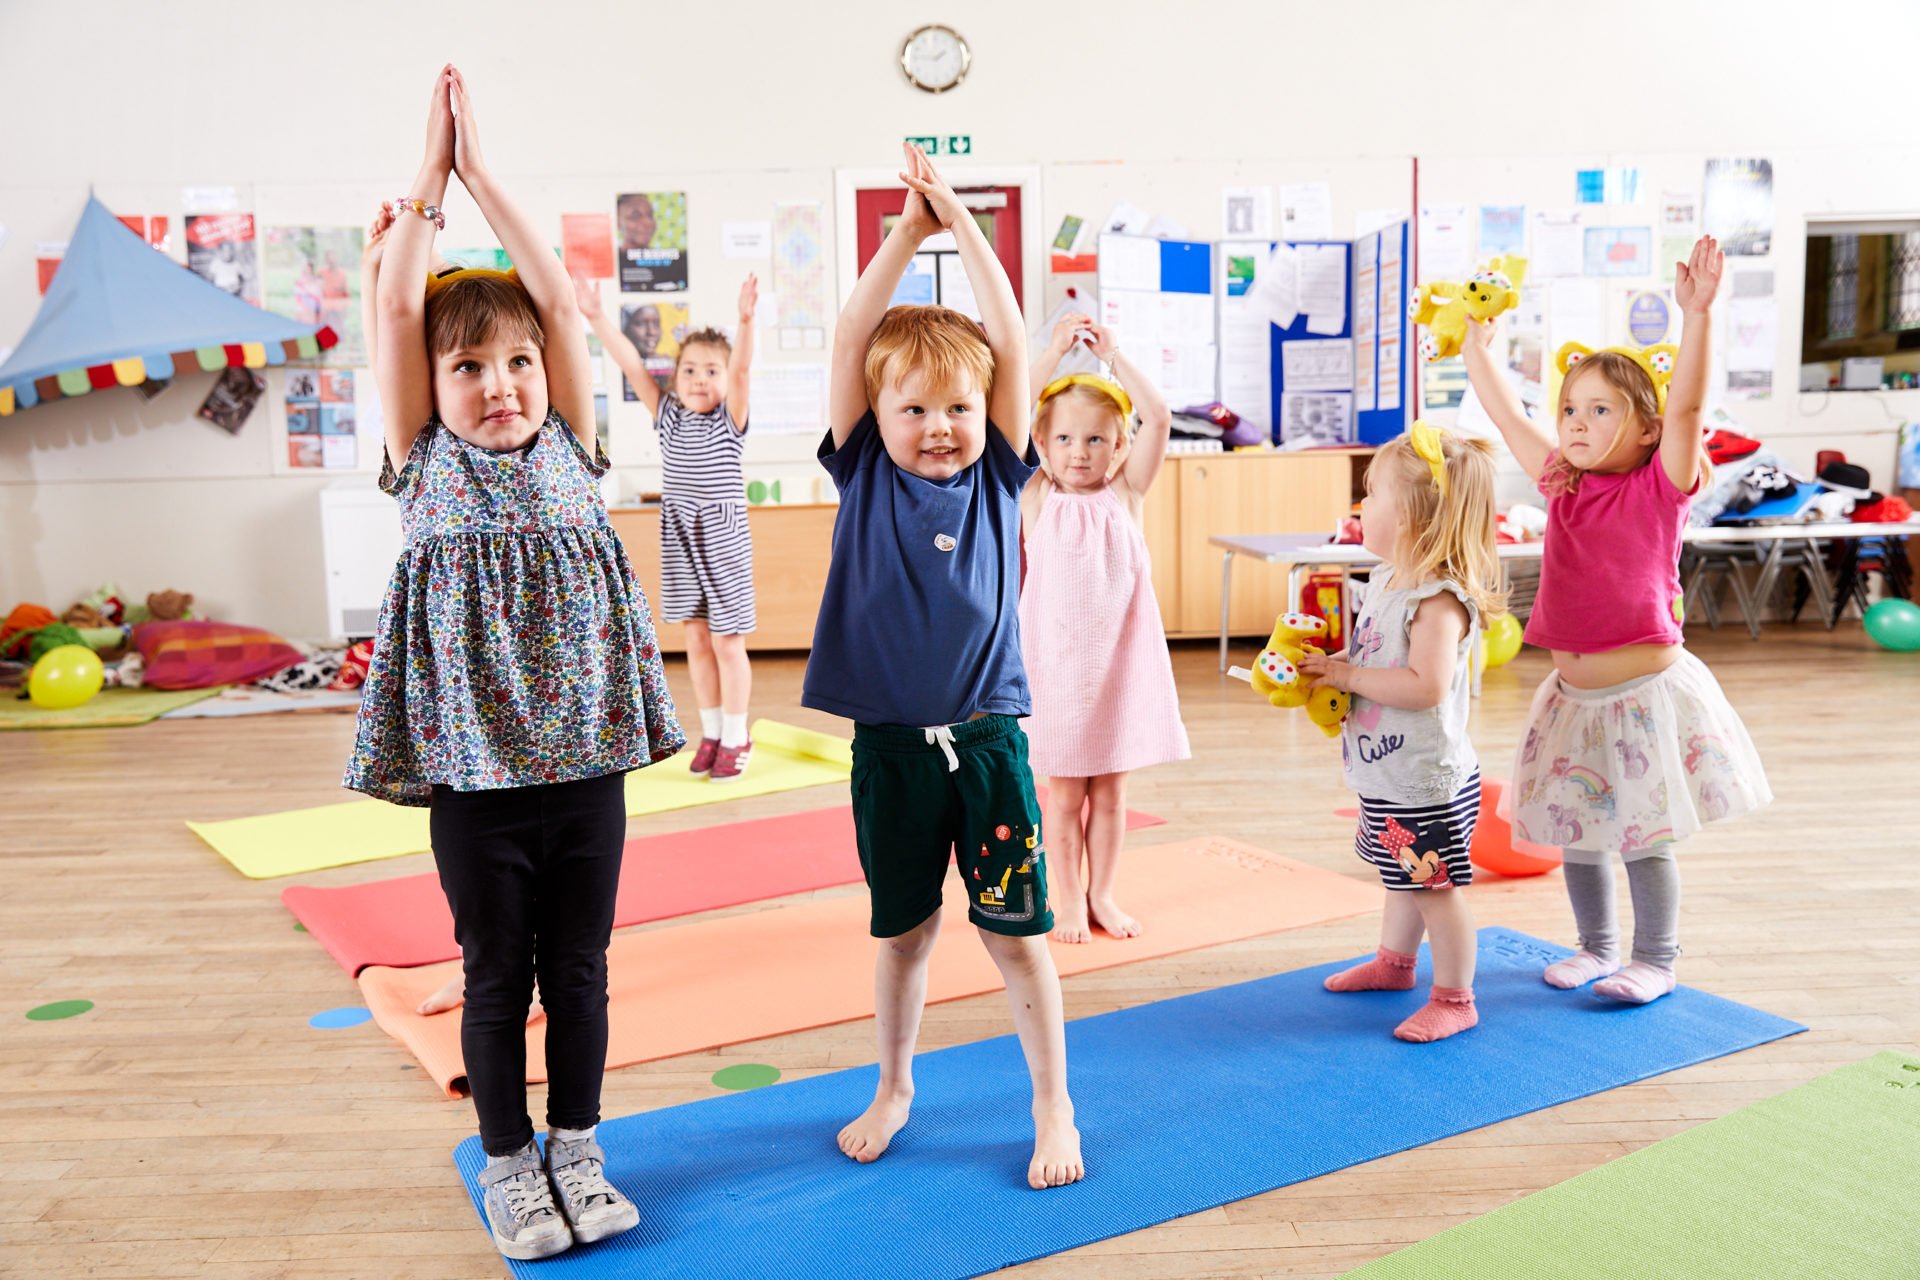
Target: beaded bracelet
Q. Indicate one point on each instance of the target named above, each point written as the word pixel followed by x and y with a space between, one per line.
pixel 431 212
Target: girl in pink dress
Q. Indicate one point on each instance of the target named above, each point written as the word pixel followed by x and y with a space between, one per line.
pixel 1104 702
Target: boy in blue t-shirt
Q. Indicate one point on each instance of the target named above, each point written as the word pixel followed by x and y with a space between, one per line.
pixel 918 643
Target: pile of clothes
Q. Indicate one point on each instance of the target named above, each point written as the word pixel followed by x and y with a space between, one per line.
pixel 1754 485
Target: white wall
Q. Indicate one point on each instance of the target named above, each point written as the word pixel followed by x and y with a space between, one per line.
pixel 314 115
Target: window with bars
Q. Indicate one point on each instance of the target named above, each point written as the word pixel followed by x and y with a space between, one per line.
pixel 1843 287
pixel 1903 281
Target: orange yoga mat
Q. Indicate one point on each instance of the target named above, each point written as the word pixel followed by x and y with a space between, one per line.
pixel 718 982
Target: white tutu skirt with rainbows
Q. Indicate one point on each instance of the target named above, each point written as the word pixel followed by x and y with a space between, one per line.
pixel 1635 766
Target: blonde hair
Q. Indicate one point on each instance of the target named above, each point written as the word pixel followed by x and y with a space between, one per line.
pixel 1447 537
pixel 704 338
pixel 1627 376
pixel 465 308
pixel 946 347
pixel 1081 393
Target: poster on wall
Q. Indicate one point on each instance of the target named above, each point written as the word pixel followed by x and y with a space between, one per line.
pixel 653 241
pixel 313 277
pixel 1738 206
pixel 153 230
pixel 234 394
pixel 1752 334
pixel 586 245
pixel 799 266
pixel 1618 251
pixel 221 251
pixel 656 330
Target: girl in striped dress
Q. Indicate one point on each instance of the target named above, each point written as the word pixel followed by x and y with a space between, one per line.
pixel 1104 702
pixel 706 553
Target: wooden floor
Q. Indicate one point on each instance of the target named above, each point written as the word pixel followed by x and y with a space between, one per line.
pixel 192 1124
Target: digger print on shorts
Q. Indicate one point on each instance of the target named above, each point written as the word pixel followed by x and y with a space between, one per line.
pixel 1020 891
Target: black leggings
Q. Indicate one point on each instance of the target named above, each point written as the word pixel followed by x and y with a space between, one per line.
pixel 531 873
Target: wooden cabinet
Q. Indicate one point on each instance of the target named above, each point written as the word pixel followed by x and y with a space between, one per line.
pixel 1201 496
pixel 1197 497
pixel 791 548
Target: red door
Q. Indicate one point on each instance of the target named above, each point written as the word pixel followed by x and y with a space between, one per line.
pixel 935 274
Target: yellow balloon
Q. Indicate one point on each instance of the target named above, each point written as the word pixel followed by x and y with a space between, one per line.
pixel 65 678
pixel 1503 641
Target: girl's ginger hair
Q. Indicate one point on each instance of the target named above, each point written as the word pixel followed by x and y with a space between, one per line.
pixel 1081 393
pixel 705 338
pixel 1624 375
pixel 1450 537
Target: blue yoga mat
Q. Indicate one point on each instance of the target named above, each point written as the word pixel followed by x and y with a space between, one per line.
pixel 1183 1105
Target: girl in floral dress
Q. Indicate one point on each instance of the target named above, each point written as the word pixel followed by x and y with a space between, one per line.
pixel 515 676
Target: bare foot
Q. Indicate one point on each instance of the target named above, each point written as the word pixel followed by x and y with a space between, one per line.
pixel 453 994
pixel 866 1139
pixel 1070 921
pixel 1056 1152
pixel 1108 915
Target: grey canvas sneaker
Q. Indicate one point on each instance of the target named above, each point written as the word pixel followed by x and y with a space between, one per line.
pixel 592 1206
pixel 520 1209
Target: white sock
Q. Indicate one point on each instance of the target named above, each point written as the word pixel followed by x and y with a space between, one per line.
pixel 570 1135
pixel 733 730
pixel 709 722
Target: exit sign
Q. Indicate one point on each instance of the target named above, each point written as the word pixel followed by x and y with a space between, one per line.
pixel 951 144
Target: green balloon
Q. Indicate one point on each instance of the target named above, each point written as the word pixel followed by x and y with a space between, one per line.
pixel 1895 623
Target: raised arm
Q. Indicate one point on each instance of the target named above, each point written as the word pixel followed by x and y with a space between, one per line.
pixel 740 370
pixel 1696 282
pixel 1149 450
pixel 1008 405
pixel 872 295
pixel 1531 443
pixel 402 369
pixel 569 369
pixel 586 296
pixel 1071 326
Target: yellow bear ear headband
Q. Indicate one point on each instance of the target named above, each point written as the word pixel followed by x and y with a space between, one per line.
pixel 1657 360
pixel 1426 442
pixel 1105 386
pixel 436 283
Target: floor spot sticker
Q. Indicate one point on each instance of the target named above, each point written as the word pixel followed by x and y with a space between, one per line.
pixel 746 1075
pixel 59 1009
pixel 346 1016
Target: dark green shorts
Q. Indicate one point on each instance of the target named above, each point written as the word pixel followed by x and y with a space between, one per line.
pixel 911 812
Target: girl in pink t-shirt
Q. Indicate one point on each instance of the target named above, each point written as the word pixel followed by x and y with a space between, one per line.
pixel 1631 747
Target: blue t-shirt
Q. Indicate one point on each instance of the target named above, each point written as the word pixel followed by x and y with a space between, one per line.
pixel 920 621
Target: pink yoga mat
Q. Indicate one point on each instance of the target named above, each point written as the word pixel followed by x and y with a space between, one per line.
pixel 404 921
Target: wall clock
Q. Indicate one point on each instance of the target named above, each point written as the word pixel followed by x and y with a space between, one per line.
pixel 935 58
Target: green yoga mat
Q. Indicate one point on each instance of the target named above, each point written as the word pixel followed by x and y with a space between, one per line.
pixel 785 758
pixel 1822 1181
pixel 107 709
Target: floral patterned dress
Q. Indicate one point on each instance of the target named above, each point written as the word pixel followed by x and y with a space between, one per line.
pixel 514 646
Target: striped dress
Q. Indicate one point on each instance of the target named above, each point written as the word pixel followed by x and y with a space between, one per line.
pixel 706 552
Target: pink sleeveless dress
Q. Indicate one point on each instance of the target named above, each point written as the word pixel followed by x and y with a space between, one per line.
pixel 1103 693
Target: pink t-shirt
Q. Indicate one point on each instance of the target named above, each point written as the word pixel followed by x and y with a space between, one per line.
pixel 1610 570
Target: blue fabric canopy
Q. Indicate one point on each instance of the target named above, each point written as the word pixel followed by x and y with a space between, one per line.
pixel 118 311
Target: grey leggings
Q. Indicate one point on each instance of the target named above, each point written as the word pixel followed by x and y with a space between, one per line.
pixel 1653 878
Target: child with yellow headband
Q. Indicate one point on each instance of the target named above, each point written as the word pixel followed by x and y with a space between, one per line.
pixel 1429 515
pixel 1631 747
pixel 515 677
pixel 1104 702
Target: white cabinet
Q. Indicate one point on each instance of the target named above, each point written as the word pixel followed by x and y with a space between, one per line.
pixel 360 534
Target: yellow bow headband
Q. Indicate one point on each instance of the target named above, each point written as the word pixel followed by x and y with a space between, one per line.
pixel 1426 442
pixel 1657 360
pixel 1105 386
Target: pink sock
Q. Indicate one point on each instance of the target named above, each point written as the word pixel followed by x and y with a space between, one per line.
pixel 1448 1011
pixel 1578 969
pixel 1387 971
pixel 1637 984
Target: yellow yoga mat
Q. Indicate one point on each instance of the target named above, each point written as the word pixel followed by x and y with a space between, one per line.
pixel 785 758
